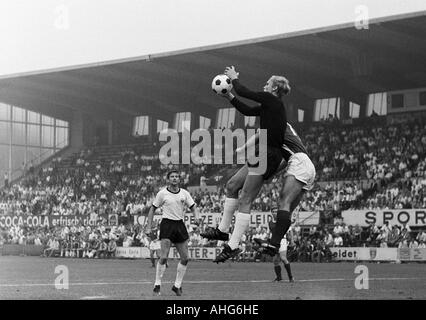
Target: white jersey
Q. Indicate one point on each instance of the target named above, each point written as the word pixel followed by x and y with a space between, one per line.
pixel 173 204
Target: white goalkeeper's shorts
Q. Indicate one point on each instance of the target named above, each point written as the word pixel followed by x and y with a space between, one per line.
pixel 301 167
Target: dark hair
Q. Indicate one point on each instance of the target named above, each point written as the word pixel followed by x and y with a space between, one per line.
pixel 170 172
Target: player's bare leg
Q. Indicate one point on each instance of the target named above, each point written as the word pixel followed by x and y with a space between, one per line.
pixel 251 188
pixel 290 194
pixel 267 248
pixel 161 265
pixel 233 186
pixel 182 249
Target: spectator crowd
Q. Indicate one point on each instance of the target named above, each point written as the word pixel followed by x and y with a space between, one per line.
pixel 380 166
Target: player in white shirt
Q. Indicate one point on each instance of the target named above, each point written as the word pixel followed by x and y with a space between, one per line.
pixel 173 201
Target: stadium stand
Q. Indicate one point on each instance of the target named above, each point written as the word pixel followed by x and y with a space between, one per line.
pixel 368 166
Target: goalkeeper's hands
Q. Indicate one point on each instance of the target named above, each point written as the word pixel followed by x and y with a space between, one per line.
pixel 229 96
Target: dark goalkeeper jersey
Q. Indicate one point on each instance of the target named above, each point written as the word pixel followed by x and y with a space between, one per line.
pixel 292 143
pixel 271 111
pixel 272 225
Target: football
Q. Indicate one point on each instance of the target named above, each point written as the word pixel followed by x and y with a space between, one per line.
pixel 221 84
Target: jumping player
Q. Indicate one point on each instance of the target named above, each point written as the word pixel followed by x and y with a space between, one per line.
pixel 299 173
pixel 172 199
pixel 299 176
pixel 272 115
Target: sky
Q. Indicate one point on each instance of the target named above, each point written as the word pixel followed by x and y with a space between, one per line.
pixel 48 34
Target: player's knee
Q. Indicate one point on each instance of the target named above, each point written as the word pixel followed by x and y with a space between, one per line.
pixel 246 198
pixel 231 189
pixel 163 260
pixel 285 195
pixel 244 202
pixel 184 261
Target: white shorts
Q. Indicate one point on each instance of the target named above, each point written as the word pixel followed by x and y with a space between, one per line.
pixel 283 245
pixel 301 167
pixel 155 245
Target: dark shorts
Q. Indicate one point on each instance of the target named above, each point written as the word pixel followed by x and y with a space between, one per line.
pixel 174 230
pixel 274 157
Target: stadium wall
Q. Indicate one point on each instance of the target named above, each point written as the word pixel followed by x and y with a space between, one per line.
pixel 18 249
pixel 76 131
pixel 122 130
pixel 212 219
pixel 194 253
pixel 378 254
pixel 12 220
pixel 338 254
pixel 372 254
pixel 85 127
pixel 412 217
pixel 94 127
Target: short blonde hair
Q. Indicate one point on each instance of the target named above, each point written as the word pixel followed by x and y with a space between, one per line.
pixel 282 84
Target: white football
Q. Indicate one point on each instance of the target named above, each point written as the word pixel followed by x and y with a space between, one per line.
pixel 221 84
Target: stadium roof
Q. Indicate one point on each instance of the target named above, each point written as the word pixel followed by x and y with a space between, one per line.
pixel 328 62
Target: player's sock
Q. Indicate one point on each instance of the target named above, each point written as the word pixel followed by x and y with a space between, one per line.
pixel 278 271
pixel 288 269
pixel 159 274
pixel 242 221
pixel 181 269
pixel 281 227
pixel 153 262
pixel 229 208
